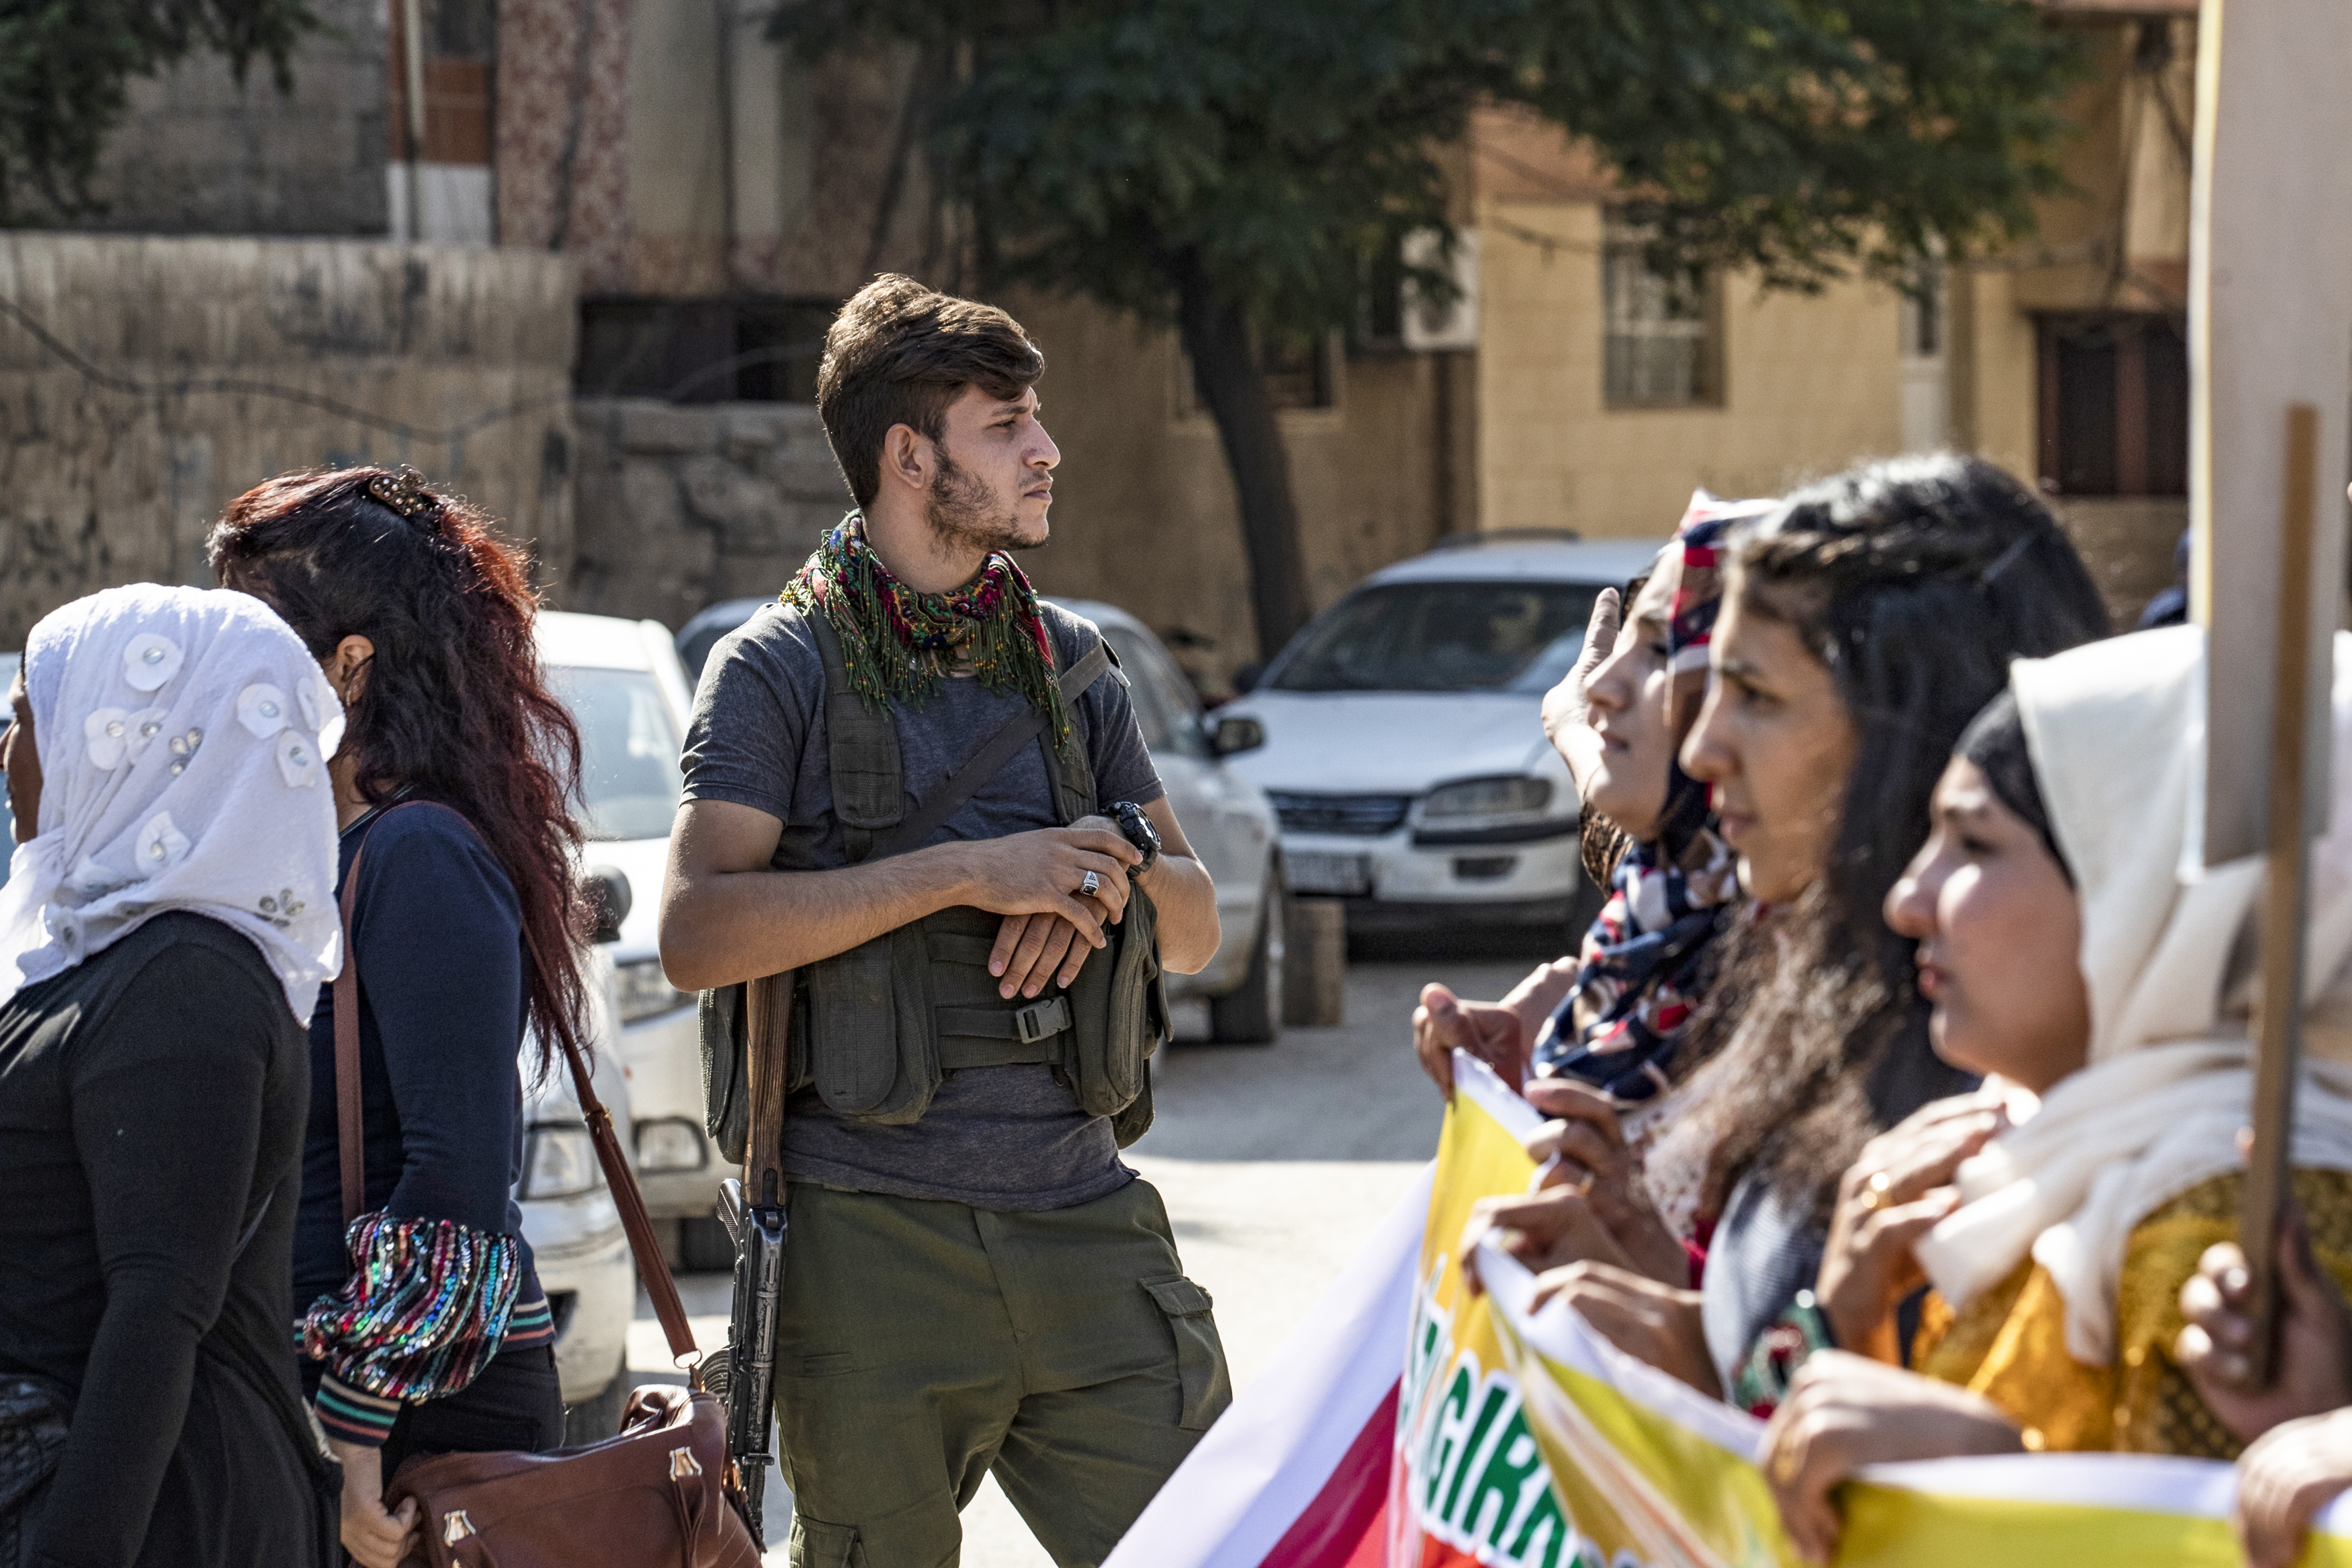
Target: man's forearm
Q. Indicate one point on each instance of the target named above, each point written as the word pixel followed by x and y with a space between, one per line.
pixel 1186 902
pixel 720 928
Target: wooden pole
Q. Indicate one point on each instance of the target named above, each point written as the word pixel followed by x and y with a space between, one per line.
pixel 2286 896
pixel 411 48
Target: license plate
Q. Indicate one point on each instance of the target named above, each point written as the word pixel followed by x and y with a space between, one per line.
pixel 1344 875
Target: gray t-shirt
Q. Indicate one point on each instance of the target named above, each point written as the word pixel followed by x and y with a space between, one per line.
pixel 995 1138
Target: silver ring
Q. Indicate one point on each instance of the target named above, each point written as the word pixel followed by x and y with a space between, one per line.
pixel 1091 884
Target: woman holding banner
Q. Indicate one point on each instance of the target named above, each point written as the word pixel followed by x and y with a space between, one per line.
pixel 1866 621
pixel 2108 1002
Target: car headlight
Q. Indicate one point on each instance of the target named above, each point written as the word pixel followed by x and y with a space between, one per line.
pixel 559 1162
pixel 641 990
pixel 671 1143
pixel 1517 795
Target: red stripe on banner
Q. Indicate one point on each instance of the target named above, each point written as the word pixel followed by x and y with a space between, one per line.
pixel 1342 1527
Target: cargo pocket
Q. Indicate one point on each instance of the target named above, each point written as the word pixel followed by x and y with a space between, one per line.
pixel 1200 1354
pixel 816 1544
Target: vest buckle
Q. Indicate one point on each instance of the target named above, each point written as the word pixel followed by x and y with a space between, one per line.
pixel 1042 1019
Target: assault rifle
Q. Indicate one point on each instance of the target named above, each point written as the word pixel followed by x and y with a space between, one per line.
pixel 753 1210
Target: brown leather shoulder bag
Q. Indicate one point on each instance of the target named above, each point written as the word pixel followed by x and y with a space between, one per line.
pixel 659 1495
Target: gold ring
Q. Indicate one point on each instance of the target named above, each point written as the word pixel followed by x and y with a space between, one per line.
pixel 1874 1191
pixel 1784 1466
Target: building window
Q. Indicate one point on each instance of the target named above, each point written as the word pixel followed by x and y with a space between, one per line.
pixel 702 350
pixel 1662 330
pixel 2115 405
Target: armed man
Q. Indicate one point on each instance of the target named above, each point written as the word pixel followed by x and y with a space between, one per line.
pixel 975 921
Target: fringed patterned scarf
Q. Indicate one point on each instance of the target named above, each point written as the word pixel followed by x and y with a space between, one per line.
pixel 1644 962
pixel 898 644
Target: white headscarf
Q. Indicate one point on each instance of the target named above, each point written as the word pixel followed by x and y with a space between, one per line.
pixel 182 735
pixel 2116 733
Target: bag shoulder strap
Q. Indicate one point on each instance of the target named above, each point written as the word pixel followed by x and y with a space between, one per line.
pixel 984 764
pixel 652 1267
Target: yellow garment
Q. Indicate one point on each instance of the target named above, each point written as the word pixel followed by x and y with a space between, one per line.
pixel 2009 1344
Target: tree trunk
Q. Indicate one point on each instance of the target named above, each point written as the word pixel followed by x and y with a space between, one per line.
pixel 1226 375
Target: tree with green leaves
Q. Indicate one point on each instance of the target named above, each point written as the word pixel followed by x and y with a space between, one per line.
pixel 65 67
pixel 1239 167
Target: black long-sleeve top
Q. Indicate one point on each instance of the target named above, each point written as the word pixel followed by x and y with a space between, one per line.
pixel 437 933
pixel 151 1116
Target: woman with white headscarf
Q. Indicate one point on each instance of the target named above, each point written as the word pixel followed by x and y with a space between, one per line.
pixel 2103 985
pixel 168 918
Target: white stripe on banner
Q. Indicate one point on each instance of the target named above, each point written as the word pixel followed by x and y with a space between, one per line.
pixel 1269 1455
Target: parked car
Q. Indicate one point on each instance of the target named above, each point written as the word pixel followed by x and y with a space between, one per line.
pixel 574 1226
pixel 1226 818
pixel 626 689
pixel 1404 746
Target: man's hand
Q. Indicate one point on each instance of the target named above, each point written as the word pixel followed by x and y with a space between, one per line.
pixel 2314 1371
pixel 1040 872
pixel 2284 1480
pixel 1589 1147
pixel 374 1539
pixel 1847 1411
pixel 1649 1322
pixel 1566 715
pixel 1029 948
pixel 1488 1030
pixel 1895 1193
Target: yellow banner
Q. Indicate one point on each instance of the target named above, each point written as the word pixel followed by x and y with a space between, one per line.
pixel 1524 1438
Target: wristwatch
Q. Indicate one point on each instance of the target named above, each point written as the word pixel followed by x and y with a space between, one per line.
pixel 1139 833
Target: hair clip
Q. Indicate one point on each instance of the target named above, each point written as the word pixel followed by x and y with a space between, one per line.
pixel 402 492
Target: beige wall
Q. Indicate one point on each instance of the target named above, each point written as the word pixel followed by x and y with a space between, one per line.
pixel 1810 386
pixel 100 485
pixel 1144 513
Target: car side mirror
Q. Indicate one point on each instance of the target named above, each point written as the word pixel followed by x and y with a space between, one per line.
pixel 1246 678
pixel 606 888
pixel 1230 737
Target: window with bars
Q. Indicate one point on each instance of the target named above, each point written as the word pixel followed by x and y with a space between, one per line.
pixel 1662 343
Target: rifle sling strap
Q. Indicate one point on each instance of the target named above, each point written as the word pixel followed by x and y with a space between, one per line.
pixel 350 1135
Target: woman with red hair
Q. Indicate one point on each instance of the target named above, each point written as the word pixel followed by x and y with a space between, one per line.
pixel 422 1323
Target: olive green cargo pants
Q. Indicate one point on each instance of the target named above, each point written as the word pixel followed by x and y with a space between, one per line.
pixel 922 1344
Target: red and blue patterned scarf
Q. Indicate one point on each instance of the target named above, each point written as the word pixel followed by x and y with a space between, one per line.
pixel 1644 962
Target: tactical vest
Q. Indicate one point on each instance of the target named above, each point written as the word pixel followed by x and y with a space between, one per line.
pixel 875 1030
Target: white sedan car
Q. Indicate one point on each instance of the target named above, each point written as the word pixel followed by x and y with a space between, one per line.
pixel 1405 745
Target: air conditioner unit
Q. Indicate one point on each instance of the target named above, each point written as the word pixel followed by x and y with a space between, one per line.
pixel 1428 326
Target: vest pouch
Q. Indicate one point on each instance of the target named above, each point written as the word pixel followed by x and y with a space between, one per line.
pixel 1118 1009
pixel 873 1052
pixel 726 1071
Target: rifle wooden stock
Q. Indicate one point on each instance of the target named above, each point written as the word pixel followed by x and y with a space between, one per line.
pixel 767 1034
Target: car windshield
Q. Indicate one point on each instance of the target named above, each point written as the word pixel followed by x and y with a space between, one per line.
pixel 1443 636
pixel 629 774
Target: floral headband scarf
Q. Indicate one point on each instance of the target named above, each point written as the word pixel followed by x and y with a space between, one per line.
pixel 1643 963
pixel 183 737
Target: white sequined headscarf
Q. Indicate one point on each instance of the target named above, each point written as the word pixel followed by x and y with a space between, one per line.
pixel 184 736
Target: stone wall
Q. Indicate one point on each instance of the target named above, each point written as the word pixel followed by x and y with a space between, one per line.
pixel 199 151
pixel 177 374
pixel 680 506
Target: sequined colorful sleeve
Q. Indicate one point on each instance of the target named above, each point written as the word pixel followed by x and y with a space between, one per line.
pixel 427 1305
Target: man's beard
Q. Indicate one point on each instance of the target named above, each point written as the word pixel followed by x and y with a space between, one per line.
pixel 963 512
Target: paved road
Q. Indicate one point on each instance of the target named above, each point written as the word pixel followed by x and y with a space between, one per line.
pixel 1277 1163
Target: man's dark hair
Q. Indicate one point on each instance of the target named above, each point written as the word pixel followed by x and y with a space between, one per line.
pixel 898 354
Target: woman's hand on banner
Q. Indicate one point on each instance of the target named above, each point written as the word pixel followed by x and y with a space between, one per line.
pixel 2313 1371
pixel 1587 1148
pixel 1656 1323
pixel 1846 1411
pixel 1548 1229
pixel 2283 1481
pixel 1488 1030
pixel 1891 1196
